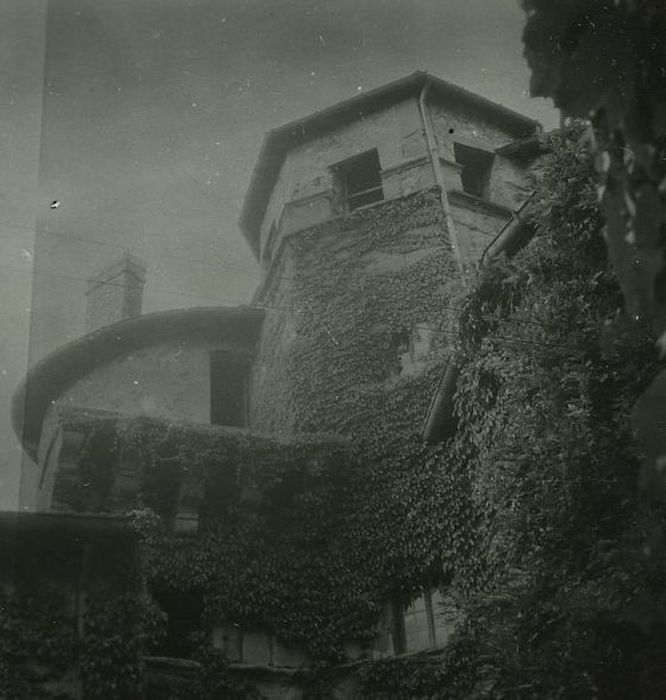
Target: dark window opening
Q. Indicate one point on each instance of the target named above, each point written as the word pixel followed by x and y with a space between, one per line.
pixel 97 470
pixel 228 389
pixel 475 174
pixel 162 484
pixel 184 611
pixel 361 180
pixel 398 618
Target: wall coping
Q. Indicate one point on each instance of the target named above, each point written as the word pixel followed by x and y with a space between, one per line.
pixel 470 201
pixel 405 164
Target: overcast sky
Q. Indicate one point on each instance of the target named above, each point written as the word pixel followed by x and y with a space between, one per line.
pixel 143 118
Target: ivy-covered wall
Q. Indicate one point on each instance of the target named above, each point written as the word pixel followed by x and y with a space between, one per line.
pixel 556 552
pixel 351 297
pixel 396 132
pixel 310 536
pixel 306 539
pixel 72 610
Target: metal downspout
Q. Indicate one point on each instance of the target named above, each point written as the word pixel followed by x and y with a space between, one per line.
pixel 433 152
pixel 515 220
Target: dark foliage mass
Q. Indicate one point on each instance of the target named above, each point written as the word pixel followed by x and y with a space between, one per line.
pixel 531 513
pixel 551 545
pixel 606 60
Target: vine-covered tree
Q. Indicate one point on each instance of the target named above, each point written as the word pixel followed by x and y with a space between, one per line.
pixel 605 60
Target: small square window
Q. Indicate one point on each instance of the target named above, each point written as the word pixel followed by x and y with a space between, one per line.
pixel 360 179
pixel 476 164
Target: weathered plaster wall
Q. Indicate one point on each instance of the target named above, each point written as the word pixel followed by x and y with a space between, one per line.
pixel 304 193
pixel 476 225
pixel 470 127
pixel 453 125
pixel 171 380
pixel 306 178
pixel 508 184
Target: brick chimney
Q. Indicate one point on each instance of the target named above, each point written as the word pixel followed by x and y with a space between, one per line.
pixel 115 292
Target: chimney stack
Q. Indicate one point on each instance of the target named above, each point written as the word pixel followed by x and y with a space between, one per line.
pixel 115 292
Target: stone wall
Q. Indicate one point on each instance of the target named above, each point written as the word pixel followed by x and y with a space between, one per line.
pixel 170 380
pixel 477 224
pixel 395 132
pixel 305 192
pixel 452 125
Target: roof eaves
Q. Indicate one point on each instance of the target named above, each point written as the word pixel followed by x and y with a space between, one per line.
pixel 516 119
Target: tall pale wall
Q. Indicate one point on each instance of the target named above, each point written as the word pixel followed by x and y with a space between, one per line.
pixel 477 223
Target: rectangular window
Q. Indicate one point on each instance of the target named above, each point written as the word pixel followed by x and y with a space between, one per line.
pixel 418 631
pixel 476 165
pixel 360 179
pixel 228 389
pixel 426 623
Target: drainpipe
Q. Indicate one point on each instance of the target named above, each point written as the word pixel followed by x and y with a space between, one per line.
pixel 506 233
pixel 433 152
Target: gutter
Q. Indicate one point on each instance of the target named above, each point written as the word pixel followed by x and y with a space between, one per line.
pixel 440 419
pixel 433 152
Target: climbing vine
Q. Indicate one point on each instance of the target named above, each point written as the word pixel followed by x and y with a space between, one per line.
pixel 38 646
pixel 304 537
pixel 531 511
pixel 355 287
pixel 550 543
pixel 605 60
pixel 308 537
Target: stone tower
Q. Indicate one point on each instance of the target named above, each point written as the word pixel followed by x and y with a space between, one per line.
pixel 368 217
